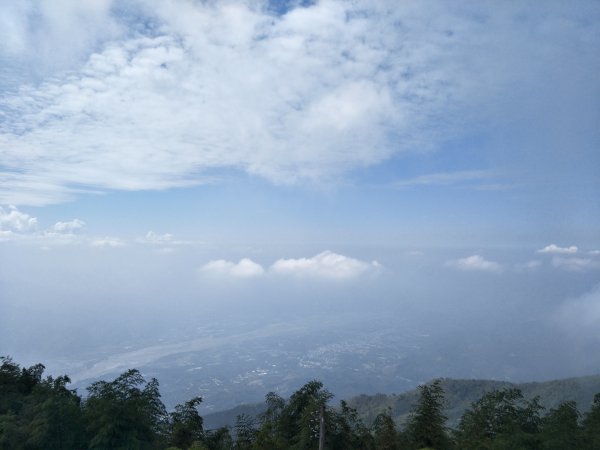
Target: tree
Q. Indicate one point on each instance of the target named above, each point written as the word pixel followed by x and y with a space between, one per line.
pixel 186 425
pixel 426 425
pixel 591 425
pixel 53 416
pixel 126 413
pixel 268 436
pixel 344 429
pixel 245 432
pixel 560 428
pixel 501 419
pixel 219 439
pixel 300 419
pixel 37 413
pixel 385 433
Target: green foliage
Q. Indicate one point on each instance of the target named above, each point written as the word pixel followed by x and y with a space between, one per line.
pixel 186 425
pixel 427 424
pixel 385 435
pixel 37 413
pixel 560 428
pixel 591 426
pixel 501 420
pixel 127 413
pixel 245 432
pixel 219 439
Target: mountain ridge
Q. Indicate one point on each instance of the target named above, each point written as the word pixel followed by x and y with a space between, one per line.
pixel 459 394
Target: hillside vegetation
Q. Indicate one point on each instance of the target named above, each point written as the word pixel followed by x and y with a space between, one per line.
pixel 459 394
pixel 38 412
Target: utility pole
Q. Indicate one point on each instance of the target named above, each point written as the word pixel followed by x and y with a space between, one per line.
pixel 322 428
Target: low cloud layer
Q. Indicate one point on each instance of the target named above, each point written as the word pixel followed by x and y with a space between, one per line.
pixel 475 263
pixel 325 265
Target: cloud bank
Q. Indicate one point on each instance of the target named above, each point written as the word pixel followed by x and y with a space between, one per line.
pixel 325 265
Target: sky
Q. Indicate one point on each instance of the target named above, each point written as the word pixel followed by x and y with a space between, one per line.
pixel 159 149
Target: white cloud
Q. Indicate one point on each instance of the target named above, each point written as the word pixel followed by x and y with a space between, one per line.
pixel 13 220
pixel 324 265
pixel 594 252
pixel 107 242
pixel 555 249
pixel 300 97
pixel 68 227
pixel 475 263
pixel 245 268
pixel 575 264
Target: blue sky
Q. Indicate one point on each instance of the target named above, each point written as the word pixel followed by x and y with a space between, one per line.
pixel 330 140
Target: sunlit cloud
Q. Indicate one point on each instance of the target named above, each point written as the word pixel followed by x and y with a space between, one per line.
pixel 555 249
pixel 324 265
pixel 13 220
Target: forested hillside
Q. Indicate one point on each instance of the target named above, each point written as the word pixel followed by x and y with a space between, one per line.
pixel 38 412
pixel 459 394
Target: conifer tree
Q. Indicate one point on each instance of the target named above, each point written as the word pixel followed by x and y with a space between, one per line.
pixel 426 427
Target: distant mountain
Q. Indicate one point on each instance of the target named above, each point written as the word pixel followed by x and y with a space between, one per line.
pixel 459 396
